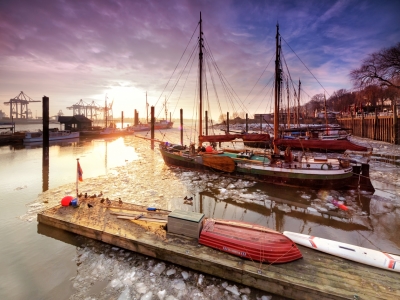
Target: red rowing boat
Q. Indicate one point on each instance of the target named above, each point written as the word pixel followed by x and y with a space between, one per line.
pixel 251 241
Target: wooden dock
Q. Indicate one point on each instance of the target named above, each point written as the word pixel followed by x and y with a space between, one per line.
pixel 316 276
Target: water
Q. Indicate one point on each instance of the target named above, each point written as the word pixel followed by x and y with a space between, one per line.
pixel 40 262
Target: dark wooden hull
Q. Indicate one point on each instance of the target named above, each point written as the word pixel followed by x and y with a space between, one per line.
pixel 320 145
pixel 249 241
pixel 350 180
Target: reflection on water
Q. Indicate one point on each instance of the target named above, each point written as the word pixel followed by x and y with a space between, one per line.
pixel 129 169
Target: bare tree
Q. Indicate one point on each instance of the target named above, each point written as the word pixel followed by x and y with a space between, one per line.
pixel 380 68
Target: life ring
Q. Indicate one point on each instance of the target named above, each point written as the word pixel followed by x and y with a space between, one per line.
pixel 327 167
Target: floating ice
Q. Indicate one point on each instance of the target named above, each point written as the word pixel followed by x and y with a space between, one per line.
pixel 200 280
pixel 233 289
pixel 178 284
pixel 171 272
pixel 158 268
pixel 125 294
pixel 161 294
pixel 147 296
pixel 141 288
pixel 185 275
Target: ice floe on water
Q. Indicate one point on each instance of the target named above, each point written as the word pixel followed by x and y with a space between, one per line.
pixel 107 272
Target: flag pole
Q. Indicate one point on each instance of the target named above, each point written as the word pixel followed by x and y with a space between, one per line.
pixel 77 176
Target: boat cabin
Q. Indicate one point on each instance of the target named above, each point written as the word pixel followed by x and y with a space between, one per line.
pixel 75 123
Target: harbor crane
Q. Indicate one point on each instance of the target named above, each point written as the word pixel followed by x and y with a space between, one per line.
pixel 88 110
pixel 22 100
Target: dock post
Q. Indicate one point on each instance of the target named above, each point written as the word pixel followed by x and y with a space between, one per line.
pixel 45 116
pixel 181 128
pixel 152 120
pixel 227 122
pixel 247 123
pixel 206 119
pixel 135 119
pixel 395 137
pixel 45 150
pixel 122 119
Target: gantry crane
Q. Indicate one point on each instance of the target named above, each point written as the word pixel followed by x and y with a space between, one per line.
pixel 22 100
pixel 84 109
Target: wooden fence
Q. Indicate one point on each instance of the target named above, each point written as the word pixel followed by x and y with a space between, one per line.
pixel 380 128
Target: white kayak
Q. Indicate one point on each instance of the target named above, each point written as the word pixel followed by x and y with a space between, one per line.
pixel 359 254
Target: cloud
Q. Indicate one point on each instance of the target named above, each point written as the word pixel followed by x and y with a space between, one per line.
pixel 72 50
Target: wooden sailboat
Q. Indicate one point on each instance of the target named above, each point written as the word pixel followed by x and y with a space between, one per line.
pixel 298 171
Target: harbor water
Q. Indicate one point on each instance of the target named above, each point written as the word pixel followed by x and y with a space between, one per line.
pixel 40 262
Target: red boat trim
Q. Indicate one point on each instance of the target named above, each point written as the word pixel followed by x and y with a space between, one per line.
pixel 392 262
pixel 312 242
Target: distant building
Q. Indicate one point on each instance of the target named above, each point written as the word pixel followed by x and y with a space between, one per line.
pixel 265 117
pixel 329 115
pixel 75 123
pixel 2 114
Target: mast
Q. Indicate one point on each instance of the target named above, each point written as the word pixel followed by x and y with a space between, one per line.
pixel 166 110
pixel 288 104
pixel 200 81
pixel 298 106
pixel 105 110
pixel 326 116
pixel 147 110
pixel 277 89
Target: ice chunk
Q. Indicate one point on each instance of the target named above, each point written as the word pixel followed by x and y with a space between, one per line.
pixel 159 268
pixel 147 296
pixel 178 284
pixel 141 288
pixel 125 295
pixel 200 280
pixel 171 272
pixel 116 283
pixel 185 275
pixel 161 294
pixel 233 289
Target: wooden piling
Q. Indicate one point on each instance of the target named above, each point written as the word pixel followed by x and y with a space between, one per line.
pixel 181 128
pixel 152 120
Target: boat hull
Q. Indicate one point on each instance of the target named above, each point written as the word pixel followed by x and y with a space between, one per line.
pixel 351 252
pixel 248 241
pixel 315 179
pixel 33 137
pixel 318 144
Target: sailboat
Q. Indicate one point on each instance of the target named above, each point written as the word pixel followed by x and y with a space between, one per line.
pixel 158 124
pixel 280 169
pixel 326 138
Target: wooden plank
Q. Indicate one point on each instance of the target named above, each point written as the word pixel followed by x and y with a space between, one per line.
pixel 142 219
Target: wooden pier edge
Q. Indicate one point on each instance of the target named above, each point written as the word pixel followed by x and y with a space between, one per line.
pixel 288 280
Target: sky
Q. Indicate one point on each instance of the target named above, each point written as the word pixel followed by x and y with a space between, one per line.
pixel 120 50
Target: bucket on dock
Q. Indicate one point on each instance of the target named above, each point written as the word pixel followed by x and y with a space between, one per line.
pixel 66 201
pixel 74 202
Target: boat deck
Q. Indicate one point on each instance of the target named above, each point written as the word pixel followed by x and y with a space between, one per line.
pixel 316 276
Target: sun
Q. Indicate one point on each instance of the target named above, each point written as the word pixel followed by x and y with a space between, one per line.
pixel 126 98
